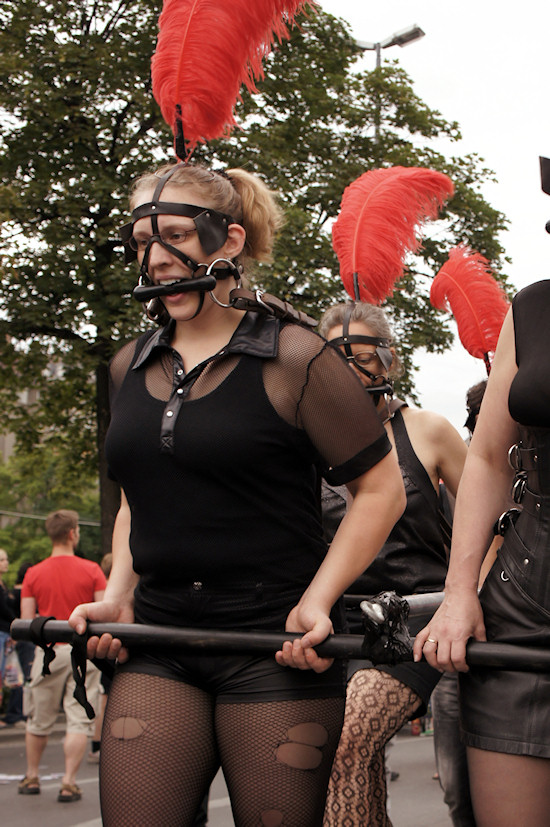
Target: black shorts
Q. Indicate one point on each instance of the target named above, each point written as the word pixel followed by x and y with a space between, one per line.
pixel 508 711
pixel 420 677
pixel 239 678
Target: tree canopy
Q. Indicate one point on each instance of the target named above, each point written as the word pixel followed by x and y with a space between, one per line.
pixel 79 123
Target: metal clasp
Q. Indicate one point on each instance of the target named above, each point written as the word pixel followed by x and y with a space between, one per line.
pixel 519 486
pixel 258 295
pixel 514 457
pixel 503 522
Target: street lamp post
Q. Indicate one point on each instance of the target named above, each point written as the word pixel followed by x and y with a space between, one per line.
pixel 400 38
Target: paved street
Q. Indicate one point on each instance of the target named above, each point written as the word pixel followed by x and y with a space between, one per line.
pixel 415 799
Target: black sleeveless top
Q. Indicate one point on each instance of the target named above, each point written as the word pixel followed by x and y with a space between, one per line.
pixel 234 501
pixel 413 559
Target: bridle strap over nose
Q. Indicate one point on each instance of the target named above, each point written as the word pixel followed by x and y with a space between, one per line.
pixel 381 344
pixel 212 228
pixel 212 225
pixel 383 352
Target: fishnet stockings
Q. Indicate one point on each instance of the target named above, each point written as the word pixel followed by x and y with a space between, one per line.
pixel 164 740
pixel 377 706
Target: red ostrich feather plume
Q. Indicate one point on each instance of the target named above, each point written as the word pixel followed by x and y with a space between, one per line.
pixel 466 287
pixel 379 218
pixel 206 50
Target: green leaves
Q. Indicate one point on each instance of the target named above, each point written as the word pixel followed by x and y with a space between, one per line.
pixel 79 124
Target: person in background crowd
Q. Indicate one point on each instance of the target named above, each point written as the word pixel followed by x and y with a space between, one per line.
pixel 25 653
pixel 6 617
pixel 450 753
pixel 53 588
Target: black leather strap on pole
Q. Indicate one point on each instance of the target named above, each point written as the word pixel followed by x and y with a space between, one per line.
pixel 78 661
pixel 36 634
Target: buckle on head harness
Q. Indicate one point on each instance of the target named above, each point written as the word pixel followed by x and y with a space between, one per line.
pixel 382 348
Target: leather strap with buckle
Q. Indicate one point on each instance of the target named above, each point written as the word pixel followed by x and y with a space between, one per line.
pixel 256 300
pixel 522 459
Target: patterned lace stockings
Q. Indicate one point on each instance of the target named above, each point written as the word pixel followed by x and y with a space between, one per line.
pixel 163 741
pixel 377 706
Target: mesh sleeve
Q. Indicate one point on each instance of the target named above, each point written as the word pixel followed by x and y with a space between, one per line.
pixel 341 420
pixel 312 387
pixel 118 368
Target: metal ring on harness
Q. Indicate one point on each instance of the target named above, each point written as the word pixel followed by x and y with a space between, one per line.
pixel 234 272
pixel 519 486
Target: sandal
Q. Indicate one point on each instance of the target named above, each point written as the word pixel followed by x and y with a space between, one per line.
pixel 69 792
pixel 29 786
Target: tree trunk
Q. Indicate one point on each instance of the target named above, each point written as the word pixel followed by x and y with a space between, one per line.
pixel 109 491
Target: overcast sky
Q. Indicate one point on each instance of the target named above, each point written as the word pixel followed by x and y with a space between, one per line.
pixel 485 64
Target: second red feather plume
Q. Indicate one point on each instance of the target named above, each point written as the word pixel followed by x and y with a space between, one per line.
pixel 378 224
pixel 467 288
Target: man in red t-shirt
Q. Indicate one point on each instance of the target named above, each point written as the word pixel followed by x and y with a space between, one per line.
pixel 53 588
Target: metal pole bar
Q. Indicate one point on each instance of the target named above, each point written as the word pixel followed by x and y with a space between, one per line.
pixel 493 655
pixel 419 604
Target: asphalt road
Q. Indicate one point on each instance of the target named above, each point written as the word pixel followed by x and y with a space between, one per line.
pixel 415 799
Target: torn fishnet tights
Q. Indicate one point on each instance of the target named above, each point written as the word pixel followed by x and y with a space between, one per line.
pixel 377 706
pixel 163 741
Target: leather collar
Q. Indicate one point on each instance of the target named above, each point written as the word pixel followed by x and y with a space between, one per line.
pixel 256 335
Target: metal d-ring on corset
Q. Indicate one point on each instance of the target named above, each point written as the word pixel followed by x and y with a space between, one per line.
pixel 527 527
pixel 524 461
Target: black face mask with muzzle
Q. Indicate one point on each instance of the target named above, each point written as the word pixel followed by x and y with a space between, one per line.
pixel 212 228
pixel 382 348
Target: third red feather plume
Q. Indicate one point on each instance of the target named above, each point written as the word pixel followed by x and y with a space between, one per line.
pixel 466 287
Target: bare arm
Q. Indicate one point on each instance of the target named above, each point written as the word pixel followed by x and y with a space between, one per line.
pixel 452 456
pixel 117 605
pixel 483 495
pixel 438 445
pixel 378 502
pixel 28 608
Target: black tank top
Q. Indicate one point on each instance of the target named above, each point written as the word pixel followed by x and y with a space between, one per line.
pixel 413 559
pixel 237 498
pixel 529 398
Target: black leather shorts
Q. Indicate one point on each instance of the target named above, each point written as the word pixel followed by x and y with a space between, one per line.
pixel 236 678
pixel 508 711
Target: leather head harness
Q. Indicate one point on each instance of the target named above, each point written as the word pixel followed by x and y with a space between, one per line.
pixel 382 349
pixel 212 228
